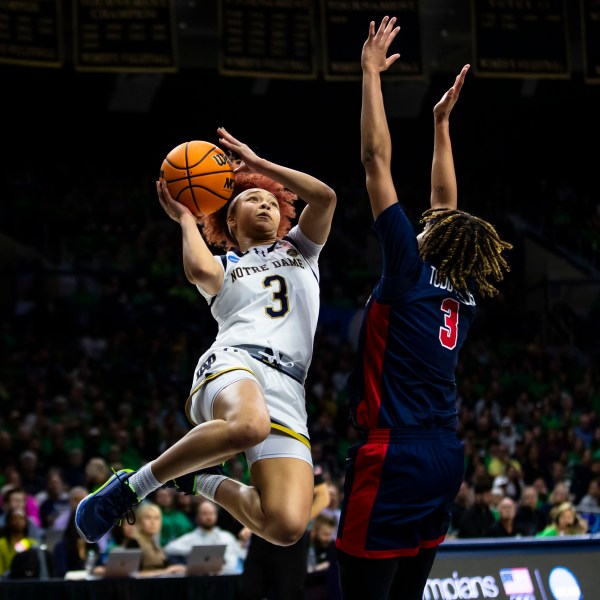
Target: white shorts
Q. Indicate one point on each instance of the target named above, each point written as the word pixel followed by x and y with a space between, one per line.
pixel 285 398
pixel 278 445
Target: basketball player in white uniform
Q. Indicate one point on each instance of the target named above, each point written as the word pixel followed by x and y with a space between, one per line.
pixel 270 297
pixel 247 393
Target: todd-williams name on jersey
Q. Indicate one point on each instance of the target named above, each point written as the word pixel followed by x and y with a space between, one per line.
pixel 443 283
pixel 239 272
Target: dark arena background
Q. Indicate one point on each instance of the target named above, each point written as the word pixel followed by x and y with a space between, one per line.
pixel 100 331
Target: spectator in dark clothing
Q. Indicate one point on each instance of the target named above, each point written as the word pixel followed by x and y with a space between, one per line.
pixel 74 470
pixel 321 543
pixel 591 500
pixel 533 468
pixel 477 520
pixel 54 499
pixel 585 429
pixel 32 480
pixel 70 551
pixel 56 454
pixel 529 518
pixel 505 526
pixel 461 503
pixel 580 476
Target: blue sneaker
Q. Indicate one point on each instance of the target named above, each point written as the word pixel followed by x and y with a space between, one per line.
pixel 187 484
pixel 100 511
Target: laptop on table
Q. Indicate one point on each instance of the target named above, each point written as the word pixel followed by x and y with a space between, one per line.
pixel 205 560
pixel 123 562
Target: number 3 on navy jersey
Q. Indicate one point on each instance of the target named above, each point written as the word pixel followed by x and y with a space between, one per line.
pixel 279 295
pixel 449 330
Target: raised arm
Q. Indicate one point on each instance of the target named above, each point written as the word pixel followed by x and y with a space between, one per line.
pixel 315 220
pixel 443 177
pixel 199 264
pixel 375 140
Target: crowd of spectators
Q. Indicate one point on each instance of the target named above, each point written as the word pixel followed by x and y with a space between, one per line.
pixel 100 332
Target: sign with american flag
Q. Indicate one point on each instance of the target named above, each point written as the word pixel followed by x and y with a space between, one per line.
pixel 516 581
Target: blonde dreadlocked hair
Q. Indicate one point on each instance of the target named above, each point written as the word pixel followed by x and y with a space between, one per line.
pixel 464 247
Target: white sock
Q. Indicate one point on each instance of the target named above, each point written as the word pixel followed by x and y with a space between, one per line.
pixel 207 484
pixel 144 482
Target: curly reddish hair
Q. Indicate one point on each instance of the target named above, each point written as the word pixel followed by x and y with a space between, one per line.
pixel 214 226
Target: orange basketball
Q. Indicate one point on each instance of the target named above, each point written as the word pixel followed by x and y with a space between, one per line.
pixel 199 175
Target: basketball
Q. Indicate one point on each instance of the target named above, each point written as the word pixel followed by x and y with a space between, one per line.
pixel 199 175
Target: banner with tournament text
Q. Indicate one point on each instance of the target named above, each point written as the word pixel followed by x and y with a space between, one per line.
pixel 31 33
pixel 124 35
pixel 520 39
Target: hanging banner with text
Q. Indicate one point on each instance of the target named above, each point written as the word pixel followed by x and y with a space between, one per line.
pixel 270 38
pixel 520 39
pixel 31 33
pixel 124 35
pixel 590 35
pixel 345 29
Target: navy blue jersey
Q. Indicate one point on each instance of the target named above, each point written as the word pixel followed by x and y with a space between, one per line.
pixel 404 473
pixel 413 327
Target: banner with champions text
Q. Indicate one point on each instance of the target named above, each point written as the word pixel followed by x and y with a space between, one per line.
pixel 31 33
pixel 270 38
pixel 520 39
pixel 124 35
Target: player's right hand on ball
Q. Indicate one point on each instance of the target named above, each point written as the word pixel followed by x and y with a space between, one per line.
pixel 174 209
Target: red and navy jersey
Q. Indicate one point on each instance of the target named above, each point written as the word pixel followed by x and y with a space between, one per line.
pixel 413 327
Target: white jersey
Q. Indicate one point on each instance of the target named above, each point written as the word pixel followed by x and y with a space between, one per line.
pixel 270 297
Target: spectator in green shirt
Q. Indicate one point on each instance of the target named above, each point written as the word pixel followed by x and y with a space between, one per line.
pixel 564 521
pixel 174 521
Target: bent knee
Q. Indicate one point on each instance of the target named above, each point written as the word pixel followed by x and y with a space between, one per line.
pixel 287 534
pixel 251 432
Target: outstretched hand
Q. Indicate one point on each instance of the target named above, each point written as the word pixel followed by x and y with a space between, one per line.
pixel 248 157
pixel 443 108
pixel 373 57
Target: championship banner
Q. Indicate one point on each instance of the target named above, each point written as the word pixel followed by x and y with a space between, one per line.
pixel 345 26
pixel 590 35
pixel 270 38
pixel 124 35
pixel 31 33
pixel 520 39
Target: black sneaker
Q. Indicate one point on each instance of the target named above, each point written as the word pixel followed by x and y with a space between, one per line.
pixel 101 510
pixel 187 484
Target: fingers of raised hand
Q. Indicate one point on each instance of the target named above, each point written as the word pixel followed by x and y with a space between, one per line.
pixel 389 24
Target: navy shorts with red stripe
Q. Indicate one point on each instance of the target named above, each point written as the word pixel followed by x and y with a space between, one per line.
pixel 398 490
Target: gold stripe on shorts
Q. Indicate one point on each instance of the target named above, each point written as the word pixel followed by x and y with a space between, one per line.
pixel 205 380
pixel 291 433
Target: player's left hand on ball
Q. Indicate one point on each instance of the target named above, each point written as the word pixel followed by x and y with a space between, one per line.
pixel 247 156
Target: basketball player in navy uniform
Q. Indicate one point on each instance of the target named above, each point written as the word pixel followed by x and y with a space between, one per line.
pixel 408 466
pixel 247 393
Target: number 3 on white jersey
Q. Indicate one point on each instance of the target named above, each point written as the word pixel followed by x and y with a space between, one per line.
pixel 280 294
